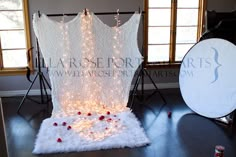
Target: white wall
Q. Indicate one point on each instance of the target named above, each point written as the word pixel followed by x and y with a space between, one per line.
pixel 221 5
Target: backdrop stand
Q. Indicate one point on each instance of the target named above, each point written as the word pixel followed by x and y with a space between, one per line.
pixel 140 77
pixel 42 82
pixel 141 74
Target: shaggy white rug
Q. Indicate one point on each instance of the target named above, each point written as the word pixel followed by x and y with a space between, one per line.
pixel 89 132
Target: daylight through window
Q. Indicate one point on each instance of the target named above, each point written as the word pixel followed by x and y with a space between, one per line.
pixel 172 28
pixel 14 35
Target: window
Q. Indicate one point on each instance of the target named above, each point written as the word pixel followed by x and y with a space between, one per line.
pixel 172 27
pixel 14 37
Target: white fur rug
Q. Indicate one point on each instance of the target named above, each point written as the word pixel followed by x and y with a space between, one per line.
pixel 90 132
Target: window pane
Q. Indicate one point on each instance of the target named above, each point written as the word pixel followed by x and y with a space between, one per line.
pixel 186 35
pixel 13 39
pixel 14 58
pixel 188 3
pixel 181 50
pixel 187 17
pixel 10 4
pixel 158 53
pixel 159 17
pixel 158 35
pixel 159 3
pixel 11 20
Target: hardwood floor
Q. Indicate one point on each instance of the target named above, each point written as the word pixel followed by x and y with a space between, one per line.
pixel 185 134
pixel 3 145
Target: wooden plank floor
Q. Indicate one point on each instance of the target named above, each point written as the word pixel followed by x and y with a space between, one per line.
pixel 185 134
pixel 3 143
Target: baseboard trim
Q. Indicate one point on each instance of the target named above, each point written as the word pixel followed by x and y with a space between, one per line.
pixel 20 93
pixel 37 91
pixel 159 85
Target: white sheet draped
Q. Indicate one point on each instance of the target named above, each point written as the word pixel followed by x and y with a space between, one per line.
pixel 91 65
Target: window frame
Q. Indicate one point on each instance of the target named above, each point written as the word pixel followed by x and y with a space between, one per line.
pixel 173 28
pixel 20 71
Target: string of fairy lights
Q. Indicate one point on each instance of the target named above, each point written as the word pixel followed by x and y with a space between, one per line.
pixel 92 120
pixel 91 98
pixel 117 46
pixel 66 51
pixel 87 50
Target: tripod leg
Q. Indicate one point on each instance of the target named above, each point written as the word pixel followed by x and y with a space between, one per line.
pixel 136 82
pixel 45 91
pixel 23 100
pixel 151 79
pixel 164 100
pixel 41 87
pixel 142 84
pixel 134 91
pixel 47 82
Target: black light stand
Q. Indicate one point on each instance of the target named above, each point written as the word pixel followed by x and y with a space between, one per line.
pixel 42 82
pixel 141 74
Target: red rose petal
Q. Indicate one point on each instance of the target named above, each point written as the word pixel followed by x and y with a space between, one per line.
pixel 79 113
pixel 109 119
pixel 108 113
pixel 69 127
pixel 54 124
pixel 59 140
pixel 64 123
pixel 89 114
pixel 91 132
pixel 101 117
pixel 106 128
